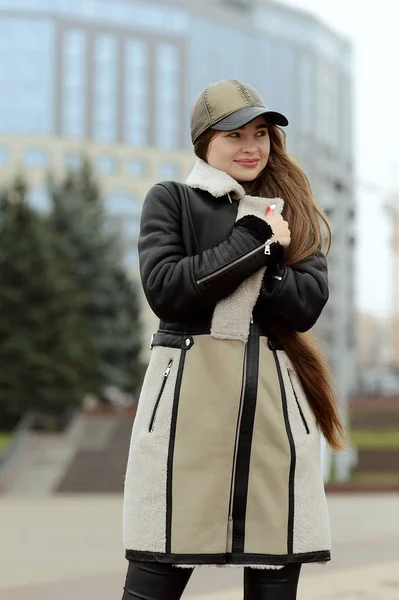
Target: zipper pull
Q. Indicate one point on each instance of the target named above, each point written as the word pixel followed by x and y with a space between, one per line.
pixel 168 368
pixel 267 246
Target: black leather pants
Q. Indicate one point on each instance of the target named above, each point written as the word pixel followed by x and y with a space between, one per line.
pixel 153 581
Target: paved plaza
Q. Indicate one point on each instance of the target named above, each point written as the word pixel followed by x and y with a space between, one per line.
pixel 69 548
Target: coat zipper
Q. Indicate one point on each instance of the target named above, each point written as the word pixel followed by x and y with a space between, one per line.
pixel 268 244
pixel 164 380
pixel 289 371
pixel 233 477
pixel 265 247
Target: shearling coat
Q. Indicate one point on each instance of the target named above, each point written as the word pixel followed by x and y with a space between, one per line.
pixel 224 462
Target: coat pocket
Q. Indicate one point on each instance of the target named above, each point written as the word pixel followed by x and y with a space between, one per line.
pixel 158 400
pixel 292 375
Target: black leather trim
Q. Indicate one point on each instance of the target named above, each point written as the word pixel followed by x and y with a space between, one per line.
pixel 245 445
pixel 169 476
pixel 180 341
pixel 229 559
pixel 291 484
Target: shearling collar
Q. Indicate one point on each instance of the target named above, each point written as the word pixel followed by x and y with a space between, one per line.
pixel 217 183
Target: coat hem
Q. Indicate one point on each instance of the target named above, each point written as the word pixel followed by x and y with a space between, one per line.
pixel 236 559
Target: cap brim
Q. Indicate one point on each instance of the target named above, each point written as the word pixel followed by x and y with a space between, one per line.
pixel 246 115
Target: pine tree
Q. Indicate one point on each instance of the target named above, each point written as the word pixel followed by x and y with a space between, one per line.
pixel 45 352
pixel 111 305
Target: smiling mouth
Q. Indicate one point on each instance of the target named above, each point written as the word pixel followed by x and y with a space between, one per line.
pixel 248 162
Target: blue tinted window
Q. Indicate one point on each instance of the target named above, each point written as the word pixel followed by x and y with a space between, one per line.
pixel 125 211
pixel 4 155
pixel 136 167
pixel 26 75
pixel 73 160
pixel 123 203
pixel 39 199
pixel 106 165
pixel 168 96
pixel 136 14
pixel 136 92
pixel 105 88
pixel 168 171
pixel 283 61
pixel 73 84
pixel 132 257
pixel 35 157
pixel 131 229
pixel 307 92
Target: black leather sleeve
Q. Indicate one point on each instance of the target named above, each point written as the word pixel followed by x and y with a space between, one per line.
pixel 295 296
pixel 177 285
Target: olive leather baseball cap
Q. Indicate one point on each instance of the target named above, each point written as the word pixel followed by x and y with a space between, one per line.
pixel 227 105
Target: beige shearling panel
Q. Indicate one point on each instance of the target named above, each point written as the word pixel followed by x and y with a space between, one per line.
pixel 144 507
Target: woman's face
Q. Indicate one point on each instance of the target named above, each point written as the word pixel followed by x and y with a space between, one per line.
pixel 242 153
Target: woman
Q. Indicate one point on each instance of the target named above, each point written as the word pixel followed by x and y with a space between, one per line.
pixel 224 463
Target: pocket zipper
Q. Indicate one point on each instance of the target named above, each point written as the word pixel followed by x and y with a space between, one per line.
pixel 164 380
pixel 289 371
pixel 265 247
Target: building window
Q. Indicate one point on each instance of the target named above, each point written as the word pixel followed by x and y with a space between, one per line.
pixel 106 165
pixel 125 212
pixel 105 88
pixel 168 170
pixel 137 167
pixel 123 203
pixel 282 65
pixel 73 161
pixel 131 258
pixel 35 157
pixel 74 84
pixel 168 96
pixel 140 14
pixel 4 156
pixel 136 92
pixel 39 199
pixel 306 75
pixel 27 76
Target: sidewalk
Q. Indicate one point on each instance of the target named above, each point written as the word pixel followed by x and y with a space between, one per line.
pixel 69 548
pixel 379 582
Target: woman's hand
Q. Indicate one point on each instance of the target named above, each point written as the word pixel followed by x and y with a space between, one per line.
pixel 280 227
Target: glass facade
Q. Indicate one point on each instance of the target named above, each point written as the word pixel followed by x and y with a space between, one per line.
pixel 73 160
pixel 168 170
pixel 4 156
pixel 105 96
pixel 125 212
pixel 128 83
pixel 106 165
pixel 35 157
pixel 136 92
pixel 74 77
pixel 26 75
pixel 307 92
pixel 136 167
pixel 39 199
pixel 137 14
pixel 168 94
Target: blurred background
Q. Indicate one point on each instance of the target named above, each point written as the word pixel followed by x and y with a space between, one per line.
pixel 95 101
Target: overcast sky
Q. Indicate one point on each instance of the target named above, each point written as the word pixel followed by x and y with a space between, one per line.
pixel 373 29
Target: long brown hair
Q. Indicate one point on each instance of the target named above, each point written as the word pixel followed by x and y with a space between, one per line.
pixel 282 177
